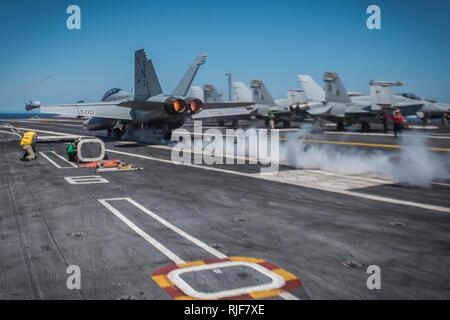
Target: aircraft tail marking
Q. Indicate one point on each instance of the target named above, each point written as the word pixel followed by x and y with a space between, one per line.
pixel 334 88
pixel 260 93
pixel 146 83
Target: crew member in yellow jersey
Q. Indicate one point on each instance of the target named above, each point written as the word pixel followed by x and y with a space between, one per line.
pixel 28 144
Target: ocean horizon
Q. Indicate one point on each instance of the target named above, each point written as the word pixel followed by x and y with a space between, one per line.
pixel 23 115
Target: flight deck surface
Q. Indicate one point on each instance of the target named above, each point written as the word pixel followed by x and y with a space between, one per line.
pixel 300 234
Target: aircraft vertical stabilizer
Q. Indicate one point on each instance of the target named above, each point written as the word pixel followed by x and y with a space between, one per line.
pixel 211 94
pixel 260 93
pixel 185 83
pixel 334 89
pixel 241 92
pixel 381 93
pixel 296 96
pixel 312 90
pixel 146 83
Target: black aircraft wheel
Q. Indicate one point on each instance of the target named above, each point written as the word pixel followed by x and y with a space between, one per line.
pixel 286 124
pixel 117 133
pixel 235 123
pixel 221 123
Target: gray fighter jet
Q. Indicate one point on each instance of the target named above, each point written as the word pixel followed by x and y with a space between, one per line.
pixel 430 109
pixel 382 95
pixel 258 104
pixel 148 109
pixel 335 104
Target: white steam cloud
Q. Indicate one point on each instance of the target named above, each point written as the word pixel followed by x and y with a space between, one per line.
pixel 413 165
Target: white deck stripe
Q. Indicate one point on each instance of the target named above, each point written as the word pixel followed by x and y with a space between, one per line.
pixel 50 160
pixel 169 254
pixel 441 184
pixel 385 134
pixel 288 296
pixel 355 194
pixel 378 181
pixel 86 180
pixel 396 201
pixel 177 230
pixel 64 159
pixel 14 133
pixel 45 131
pixel 42 153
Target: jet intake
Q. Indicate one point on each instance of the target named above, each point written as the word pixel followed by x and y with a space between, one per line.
pixel 299 107
pixel 176 106
pixel 195 105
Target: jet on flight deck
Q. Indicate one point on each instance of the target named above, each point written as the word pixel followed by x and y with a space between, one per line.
pixel 149 108
pixel 335 104
pixel 259 105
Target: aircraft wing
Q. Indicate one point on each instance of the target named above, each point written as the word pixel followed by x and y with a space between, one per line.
pixel 358 109
pixel 280 110
pixel 108 110
pixel 225 105
pixel 317 111
pixel 408 109
pixel 445 106
pixel 224 113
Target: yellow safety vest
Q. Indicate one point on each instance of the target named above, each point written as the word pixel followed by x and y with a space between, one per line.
pixel 28 138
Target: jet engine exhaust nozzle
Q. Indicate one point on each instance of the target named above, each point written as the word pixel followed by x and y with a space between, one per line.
pixel 176 106
pixel 195 105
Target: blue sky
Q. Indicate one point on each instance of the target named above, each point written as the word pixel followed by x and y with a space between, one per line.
pixel 268 40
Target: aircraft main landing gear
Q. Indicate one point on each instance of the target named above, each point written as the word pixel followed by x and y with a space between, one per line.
pixel 117 133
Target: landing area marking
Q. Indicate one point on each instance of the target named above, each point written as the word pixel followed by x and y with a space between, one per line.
pixel 190 281
pixel 200 279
